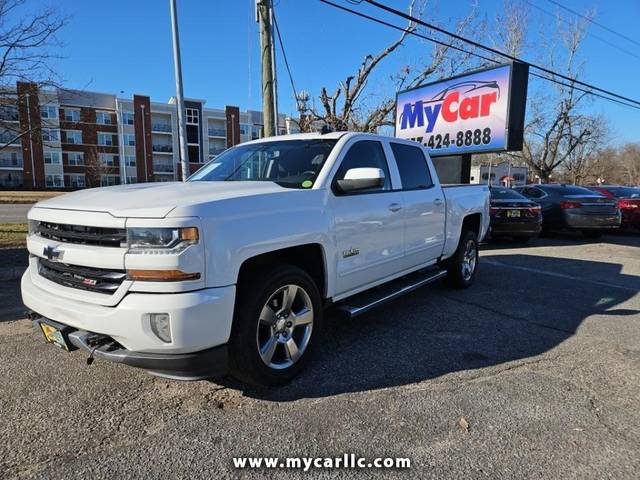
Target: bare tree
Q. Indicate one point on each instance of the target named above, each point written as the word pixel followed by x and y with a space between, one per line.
pixel 95 169
pixel 349 107
pixel 558 132
pixel 27 49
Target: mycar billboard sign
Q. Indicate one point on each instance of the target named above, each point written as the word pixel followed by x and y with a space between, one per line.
pixel 478 112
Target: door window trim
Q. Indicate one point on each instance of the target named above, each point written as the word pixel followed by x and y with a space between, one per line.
pixel 402 189
pixel 334 180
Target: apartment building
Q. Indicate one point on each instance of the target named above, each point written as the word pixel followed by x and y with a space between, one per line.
pixel 75 139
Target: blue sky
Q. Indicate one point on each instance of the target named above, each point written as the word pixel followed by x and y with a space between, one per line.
pixel 126 46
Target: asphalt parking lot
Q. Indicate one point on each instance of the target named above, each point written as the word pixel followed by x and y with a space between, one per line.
pixel 541 357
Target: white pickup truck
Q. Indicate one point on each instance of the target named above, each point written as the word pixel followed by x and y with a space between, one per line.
pixel 231 271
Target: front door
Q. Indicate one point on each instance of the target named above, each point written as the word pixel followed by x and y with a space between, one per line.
pixel 369 225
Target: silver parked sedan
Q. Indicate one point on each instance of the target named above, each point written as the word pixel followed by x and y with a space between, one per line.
pixel 573 207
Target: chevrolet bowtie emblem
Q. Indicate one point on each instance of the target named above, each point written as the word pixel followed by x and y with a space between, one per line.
pixel 51 252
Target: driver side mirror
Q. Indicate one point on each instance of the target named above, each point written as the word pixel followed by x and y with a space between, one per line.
pixel 361 179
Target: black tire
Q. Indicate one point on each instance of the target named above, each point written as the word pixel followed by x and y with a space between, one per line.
pixel 592 233
pixel 454 265
pixel 245 359
pixel 521 239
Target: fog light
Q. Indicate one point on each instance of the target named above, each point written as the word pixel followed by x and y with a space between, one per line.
pixel 161 326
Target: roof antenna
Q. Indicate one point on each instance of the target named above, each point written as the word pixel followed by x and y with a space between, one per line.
pixel 325 129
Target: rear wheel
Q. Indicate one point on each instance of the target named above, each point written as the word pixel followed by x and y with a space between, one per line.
pixel 277 322
pixel 461 267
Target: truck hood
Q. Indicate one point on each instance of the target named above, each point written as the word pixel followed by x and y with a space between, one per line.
pixel 155 200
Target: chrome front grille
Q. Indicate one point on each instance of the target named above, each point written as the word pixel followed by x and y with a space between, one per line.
pixel 99 280
pixel 80 234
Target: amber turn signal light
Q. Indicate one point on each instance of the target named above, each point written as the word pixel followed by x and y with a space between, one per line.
pixel 161 275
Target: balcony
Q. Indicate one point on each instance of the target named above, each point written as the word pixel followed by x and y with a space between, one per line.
pixel 162 148
pixel 8 114
pixel 217 132
pixel 11 162
pixel 162 167
pixel 161 127
pixel 9 139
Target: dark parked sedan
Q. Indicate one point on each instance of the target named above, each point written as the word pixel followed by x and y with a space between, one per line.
pixel 577 208
pixel 628 199
pixel 513 215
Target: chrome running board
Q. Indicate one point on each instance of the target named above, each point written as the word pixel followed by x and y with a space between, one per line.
pixel 370 299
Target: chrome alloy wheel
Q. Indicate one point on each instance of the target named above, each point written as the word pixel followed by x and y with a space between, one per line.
pixel 469 260
pixel 284 327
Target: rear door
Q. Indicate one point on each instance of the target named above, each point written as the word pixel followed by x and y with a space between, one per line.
pixel 368 225
pixel 424 206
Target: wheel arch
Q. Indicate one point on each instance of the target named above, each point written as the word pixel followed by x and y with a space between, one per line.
pixel 309 257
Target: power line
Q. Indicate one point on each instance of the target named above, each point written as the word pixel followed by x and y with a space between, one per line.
pixel 286 61
pixel 497 52
pixel 468 52
pixel 591 20
pixel 597 37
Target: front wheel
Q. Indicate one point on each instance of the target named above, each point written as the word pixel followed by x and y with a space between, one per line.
pixel 277 322
pixel 461 267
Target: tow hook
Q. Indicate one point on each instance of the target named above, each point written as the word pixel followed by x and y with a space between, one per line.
pixel 95 341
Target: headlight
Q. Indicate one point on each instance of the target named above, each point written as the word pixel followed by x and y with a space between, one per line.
pixel 33 227
pixel 160 240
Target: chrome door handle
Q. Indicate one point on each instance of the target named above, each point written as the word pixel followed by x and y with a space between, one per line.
pixel 394 207
pixel 438 201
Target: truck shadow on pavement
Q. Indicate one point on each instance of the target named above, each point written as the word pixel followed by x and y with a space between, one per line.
pixel 520 306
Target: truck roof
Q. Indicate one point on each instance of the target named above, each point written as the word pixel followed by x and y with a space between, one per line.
pixel 312 136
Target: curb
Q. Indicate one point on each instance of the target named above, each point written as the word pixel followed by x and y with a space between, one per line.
pixel 11 273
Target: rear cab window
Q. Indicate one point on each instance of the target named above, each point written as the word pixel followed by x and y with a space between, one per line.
pixel 412 165
pixel 505 194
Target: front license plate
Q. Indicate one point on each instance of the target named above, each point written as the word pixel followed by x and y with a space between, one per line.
pixel 54 335
pixel 513 213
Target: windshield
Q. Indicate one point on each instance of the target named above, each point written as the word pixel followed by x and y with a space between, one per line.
pixel 289 163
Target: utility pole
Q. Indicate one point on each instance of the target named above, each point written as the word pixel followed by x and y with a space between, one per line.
pixel 264 10
pixel 177 65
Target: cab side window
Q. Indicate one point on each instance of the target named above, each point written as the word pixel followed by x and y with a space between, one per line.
pixel 365 154
pixel 414 171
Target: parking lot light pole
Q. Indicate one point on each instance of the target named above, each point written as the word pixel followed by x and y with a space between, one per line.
pixel 177 64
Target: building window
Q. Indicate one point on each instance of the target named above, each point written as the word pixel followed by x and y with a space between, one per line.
pixel 132 179
pixel 244 129
pixel 75 180
pixel 103 118
pixel 71 115
pixel 9 113
pixel 73 136
pixel 107 139
pixel 75 158
pixel 130 160
pixel 129 139
pixel 256 132
pixel 108 160
pixel 127 118
pixel 192 115
pixel 108 180
pixel 52 158
pixel 54 181
pixel 51 135
pixel 48 111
